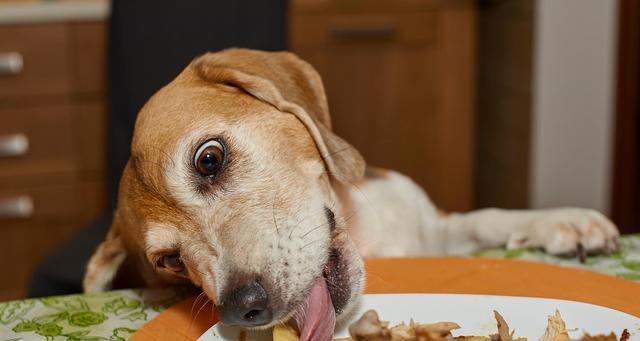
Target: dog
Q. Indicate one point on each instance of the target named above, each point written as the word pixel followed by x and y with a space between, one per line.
pixel 237 185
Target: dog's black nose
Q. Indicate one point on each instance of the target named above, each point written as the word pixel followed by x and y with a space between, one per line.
pixel 246 306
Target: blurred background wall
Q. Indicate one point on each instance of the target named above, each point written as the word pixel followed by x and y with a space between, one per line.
pixel 573 108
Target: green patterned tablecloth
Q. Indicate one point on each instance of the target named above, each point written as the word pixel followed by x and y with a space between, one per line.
pixel 112 316
pixel 624 263
pixel 115 315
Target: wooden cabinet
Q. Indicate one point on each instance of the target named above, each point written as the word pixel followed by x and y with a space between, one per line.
pixel 52 140
pixel 400 80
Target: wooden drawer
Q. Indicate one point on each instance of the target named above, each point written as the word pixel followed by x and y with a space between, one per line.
pixel 400 85
pixel 60 207
pixel 52 140
pixel 89 55
pixel 24 248
pixel 352 6
pixel 36 140
pixel 24 71
pixel 91 134
pixel 320 31
pixel 50 199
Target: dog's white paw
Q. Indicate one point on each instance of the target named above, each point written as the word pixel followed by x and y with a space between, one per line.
pixel 567 231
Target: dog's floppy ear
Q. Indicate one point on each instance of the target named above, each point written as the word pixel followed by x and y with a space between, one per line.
pixel 291 85
pixel 105 262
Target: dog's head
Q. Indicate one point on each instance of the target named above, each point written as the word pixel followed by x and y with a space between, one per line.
pixel 231 185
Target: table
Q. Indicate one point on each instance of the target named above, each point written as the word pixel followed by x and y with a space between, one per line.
pixel 116 315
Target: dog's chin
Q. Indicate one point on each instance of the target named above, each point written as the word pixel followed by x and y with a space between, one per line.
pixel 330 296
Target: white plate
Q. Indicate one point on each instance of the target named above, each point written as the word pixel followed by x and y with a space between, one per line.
pixel 474 313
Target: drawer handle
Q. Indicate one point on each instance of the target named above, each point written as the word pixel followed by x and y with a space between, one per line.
pixel 16 207
pixel 385 32
pixel 14 145
pixel 11 63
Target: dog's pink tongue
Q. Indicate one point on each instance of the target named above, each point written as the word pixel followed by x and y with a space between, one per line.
pixel 317 320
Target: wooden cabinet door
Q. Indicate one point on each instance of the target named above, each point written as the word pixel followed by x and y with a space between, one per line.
pixel 400 89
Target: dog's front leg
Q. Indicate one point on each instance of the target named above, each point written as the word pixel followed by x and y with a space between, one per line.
pixel 558 231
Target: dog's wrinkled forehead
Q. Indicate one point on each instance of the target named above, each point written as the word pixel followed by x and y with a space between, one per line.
pixel 185 105
pixel 183 114
pixel 279 81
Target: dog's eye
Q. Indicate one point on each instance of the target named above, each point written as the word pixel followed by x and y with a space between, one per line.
pixel 209 157
pixel 172 262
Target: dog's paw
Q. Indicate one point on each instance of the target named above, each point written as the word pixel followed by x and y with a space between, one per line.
pixel 567 231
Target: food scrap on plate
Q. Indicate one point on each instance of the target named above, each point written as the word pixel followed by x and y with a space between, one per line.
pixel 369 327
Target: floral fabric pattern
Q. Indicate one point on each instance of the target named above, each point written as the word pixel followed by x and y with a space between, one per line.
pixel 116 315
pixel 110 316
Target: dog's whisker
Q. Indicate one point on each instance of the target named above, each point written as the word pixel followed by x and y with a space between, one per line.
pixel 194 318
pixel 169 156
pixel 196 301
pixel 299 222
pixel 363 243
pixel 291 232
pixel 350 216
pixel 374 276
pixel 309 243
pixel 207 301
pixel 306 217
pixel 152 184
pixel 213 310
pixel 343 218
pixel 359 190
pixel 199 272
pixel 324 157
pixel 313 229
pixel 342 290
pixel 342 227
pixel 332 207
pixel 273 210
pixel 339 231
pixel 352 184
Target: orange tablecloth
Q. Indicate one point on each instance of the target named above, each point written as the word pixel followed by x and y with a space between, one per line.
pixel 441 275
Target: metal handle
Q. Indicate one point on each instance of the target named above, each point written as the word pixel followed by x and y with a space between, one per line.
pixel 14 145
pixel 16 207
pixel 364 33
pixel 11 63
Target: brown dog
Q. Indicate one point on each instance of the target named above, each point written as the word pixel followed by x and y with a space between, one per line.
pixel 237 184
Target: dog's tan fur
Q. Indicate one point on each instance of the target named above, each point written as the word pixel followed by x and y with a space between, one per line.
pixel 264 215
